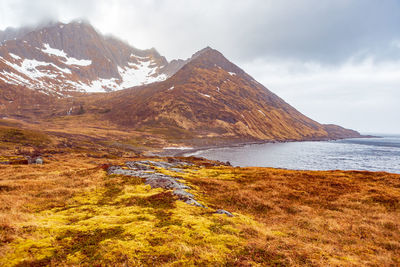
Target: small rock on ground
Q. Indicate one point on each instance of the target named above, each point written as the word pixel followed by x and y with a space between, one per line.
pixel 220 211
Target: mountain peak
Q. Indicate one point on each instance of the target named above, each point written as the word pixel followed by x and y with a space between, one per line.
pixel 82 21
pixel 76 57
pixel 210 99
pixel 206 99
pixel 203 51
pixel 209 58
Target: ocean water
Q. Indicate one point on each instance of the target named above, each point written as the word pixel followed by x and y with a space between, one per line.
pixel 372 154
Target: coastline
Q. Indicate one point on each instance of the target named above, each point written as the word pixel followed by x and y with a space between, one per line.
pixel 190 152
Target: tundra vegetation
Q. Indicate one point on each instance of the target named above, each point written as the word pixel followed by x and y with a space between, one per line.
pixel 71 211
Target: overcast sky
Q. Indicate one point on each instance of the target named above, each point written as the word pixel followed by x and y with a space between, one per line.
pixel 337 61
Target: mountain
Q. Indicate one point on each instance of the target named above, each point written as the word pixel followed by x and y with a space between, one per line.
pixel 211 100
pixel 14 33
pixel 62 59
pixel 204 100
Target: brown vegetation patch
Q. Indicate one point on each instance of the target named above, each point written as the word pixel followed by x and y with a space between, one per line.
pixel 313 217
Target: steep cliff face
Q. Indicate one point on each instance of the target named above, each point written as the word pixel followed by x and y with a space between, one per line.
pixel 66 58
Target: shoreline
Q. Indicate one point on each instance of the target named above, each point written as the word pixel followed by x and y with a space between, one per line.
pixel 191 151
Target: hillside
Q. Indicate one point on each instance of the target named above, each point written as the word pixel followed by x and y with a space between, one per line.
pixel 211 100
pixel 61 59
pixel 47 75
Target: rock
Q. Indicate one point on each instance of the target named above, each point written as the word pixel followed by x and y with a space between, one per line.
pixel 39 160
pixel 145 169
pixel 178 162
pixel 119 170
pixel 193 202
pixel 30 160
pixel 182 194
pixel 138 165
pixel 187 197
pixel 220 211
pixel 166 182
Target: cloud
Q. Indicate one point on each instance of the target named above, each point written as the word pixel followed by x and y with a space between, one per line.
pixel 326 31
pixel 17 13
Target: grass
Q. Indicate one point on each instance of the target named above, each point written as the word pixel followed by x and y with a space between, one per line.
pixel 91 218
pixel 315 218
pixel 70 212
pixel 12 136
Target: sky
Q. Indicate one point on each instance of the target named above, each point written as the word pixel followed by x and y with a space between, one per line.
pixel 336 61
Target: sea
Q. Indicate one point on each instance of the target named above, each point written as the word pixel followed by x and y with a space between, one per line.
pixel 372 154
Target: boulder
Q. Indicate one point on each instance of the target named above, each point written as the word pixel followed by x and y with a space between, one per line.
pixel 182 194
pixel 166 182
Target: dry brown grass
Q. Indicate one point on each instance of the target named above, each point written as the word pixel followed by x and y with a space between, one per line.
pixel 28 189
pixel 86 132
pixel 312 218
pixel 338 218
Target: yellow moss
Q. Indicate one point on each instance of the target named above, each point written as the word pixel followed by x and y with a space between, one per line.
pixel 220 172
pixel 281 217
pixel 75 258
pixel 278 233
pixel 131 227
pixel 28 250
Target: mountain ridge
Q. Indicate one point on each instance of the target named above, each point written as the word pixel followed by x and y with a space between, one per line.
pixel 65 58
pixel 211 98
pixel 205 100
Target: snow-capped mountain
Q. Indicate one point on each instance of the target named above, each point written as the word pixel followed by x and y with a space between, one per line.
pixel 65 58
pixel 204 100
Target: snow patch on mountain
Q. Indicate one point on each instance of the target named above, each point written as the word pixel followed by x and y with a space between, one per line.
pixel 67 60
pixel 79 62
pixel 261 112
pixel 29 67
pixel 144 74
pixel 12 78
pixel 139 57
pixel 15 56
pixel 37 63
pixel 53 51
pixel 205 95
pixel 138 74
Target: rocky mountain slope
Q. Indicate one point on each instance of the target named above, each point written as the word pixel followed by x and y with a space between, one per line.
pixel 204 100
pixel 65 58
pixel 210 98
